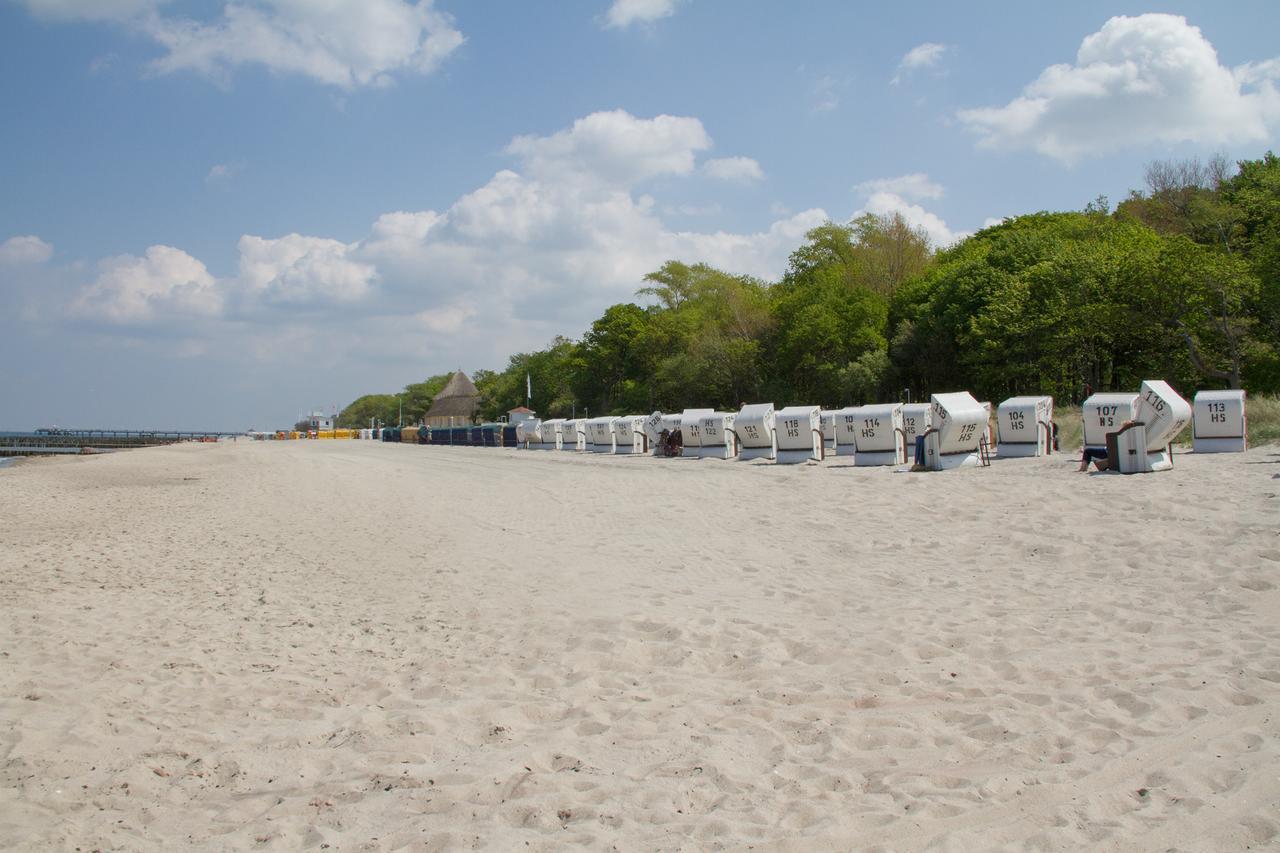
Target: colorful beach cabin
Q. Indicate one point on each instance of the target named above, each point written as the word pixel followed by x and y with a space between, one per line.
pixel 1218 424
pixel 753 427
pixel 872 435
pixel 1024 427
pixel 798 430
pixel 957 425
pixel 716 436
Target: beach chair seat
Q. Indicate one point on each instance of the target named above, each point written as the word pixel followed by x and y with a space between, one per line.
pixel 957 428
pixel 1218 424
pixel 798 431
pixel 755 433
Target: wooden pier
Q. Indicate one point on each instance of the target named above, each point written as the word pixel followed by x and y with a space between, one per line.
pixel 62 441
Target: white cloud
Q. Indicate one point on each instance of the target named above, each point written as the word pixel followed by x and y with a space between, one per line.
pixel 24 250
pixel 165 281
pixel 694 209
pixel 445 320
pixel 1151 78
pixel 887 203
pixel 924 55
pixel 887 196
pixel 615 148
pixel 624 13
pixel 302 270
pixel 399 233
pixel 344 43
pixel 223 172
pixel 538 250
pixel 992 221
pixel 741 169
pixel 916 185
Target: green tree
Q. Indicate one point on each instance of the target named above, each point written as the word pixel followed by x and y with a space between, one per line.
pixel 361 412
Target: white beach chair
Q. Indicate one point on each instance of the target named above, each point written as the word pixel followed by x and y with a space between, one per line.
pixel 1024 427
pixel 753 427
pixel 799 435
pixel 549 435
pixel 872 435
pixel 1219 424
pixel 1147 445
pixel 716 436
pixel 1104 413
pixel 827 424
pixel 529 434
pixel 957 424
pixel 629 434
pixel 600 438
pixel 915 420
pixel 573 434
pixel 691 430
pixel 653 427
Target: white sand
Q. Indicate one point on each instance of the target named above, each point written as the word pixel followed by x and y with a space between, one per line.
pixel 369 646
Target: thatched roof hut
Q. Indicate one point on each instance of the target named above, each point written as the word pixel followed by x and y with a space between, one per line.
pixel 456 404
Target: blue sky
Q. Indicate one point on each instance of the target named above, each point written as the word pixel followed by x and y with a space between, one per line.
pixel 224 215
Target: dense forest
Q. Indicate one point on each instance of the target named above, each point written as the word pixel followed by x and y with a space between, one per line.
pixel 1180 281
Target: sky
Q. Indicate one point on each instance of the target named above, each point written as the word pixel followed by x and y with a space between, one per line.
pixel 223 215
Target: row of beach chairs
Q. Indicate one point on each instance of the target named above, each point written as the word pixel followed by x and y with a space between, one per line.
pixel 952 430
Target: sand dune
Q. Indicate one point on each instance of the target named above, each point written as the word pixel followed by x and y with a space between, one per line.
pixel 369 646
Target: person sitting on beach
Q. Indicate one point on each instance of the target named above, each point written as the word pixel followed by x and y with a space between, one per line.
pixel 1098 455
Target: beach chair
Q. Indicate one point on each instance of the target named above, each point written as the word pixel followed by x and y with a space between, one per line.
pixel 654 424
pixel 549 435
pixel 827 424
pixel 1142 443
pixel 691 431
pixel 754 431
pixel 798 432
pixel 1104 413
pixel 629 435
pixel 600 438
pixel 1218 424
pixel 872 435
pixel 529 434
pixel 915 420
pixel 1146 444
pixel 716 437
pixel 1024 427
pixel 956 434
pixel 573 435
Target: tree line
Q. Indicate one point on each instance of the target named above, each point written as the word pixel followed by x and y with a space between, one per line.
pixel 1180 281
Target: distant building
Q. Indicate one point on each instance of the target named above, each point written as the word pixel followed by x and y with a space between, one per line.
pixel 455 405
pixel 319 421
pixel 520 414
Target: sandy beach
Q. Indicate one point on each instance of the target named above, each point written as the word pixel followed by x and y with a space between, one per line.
pixel 361 646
